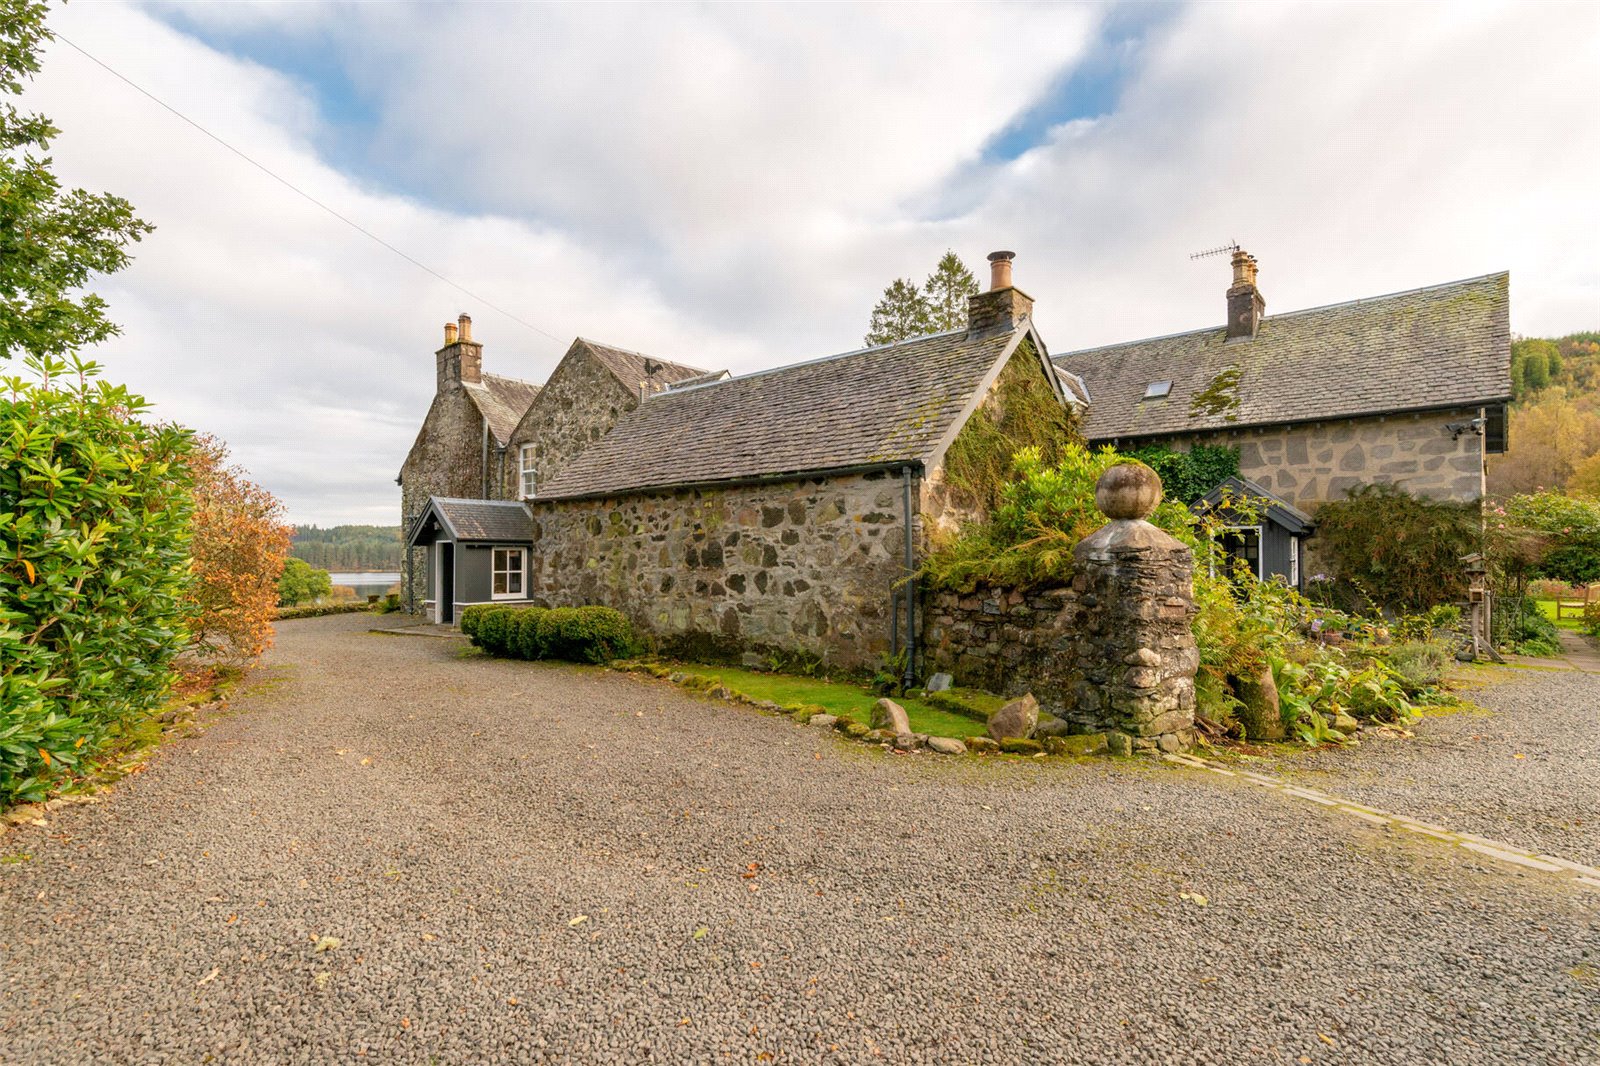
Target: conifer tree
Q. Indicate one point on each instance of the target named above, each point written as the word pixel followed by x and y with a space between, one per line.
pixel 903 312
pixel 947 290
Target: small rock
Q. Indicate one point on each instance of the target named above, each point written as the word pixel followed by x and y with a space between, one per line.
pixel 850 728
pixel 1019 718
pixel 1346 724
pixel 887 714
pixel 909 741
pixel 940 682
pixel 1169 743
pixel 678 677
pixel 1119 743
pixel 946 746
pixel 982 744
pixel 1085 744
pixel 826 721
pixel 1142 657
pixel 878 736
pixel 1021 746
pixel 1051 726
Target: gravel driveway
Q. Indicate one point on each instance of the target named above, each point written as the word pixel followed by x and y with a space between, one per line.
pixel 525 863
pixel 1526 772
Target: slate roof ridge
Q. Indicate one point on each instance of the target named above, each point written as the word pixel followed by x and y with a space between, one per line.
pixel 1281 315
pixel 602 348
pixel 473 500
pixel 732 378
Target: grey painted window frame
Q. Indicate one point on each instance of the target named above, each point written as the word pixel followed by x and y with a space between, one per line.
pixel 521 572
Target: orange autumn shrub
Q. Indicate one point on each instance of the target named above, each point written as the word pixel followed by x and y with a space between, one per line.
pixel 239 542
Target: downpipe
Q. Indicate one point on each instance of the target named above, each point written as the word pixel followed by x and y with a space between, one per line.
pixel 908 680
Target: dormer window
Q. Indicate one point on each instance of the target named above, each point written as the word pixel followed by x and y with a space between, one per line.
pixel 1157 390
pixel 528 475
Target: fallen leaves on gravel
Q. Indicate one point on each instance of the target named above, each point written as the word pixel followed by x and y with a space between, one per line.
pixel 1194 897
pixel 208 978
pixel 327 943
pixel 579 920
pixel 700 933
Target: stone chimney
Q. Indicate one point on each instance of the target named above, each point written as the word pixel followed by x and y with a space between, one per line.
pixel 1245 305
pixel 1004 307
pixel 460 361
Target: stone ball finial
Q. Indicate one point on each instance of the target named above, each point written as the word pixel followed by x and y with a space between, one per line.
pixel 1128 490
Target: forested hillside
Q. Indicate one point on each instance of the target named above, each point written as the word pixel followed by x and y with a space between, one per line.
pixel 1555 417
pixel 348 547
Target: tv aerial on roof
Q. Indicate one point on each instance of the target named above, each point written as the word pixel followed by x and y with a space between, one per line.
pixel 1231 248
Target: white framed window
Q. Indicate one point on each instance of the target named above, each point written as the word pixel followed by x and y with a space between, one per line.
pixel 510 573
pixel 528 476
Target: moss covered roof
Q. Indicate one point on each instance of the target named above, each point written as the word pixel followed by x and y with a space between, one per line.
pixel 1442 346
pixel 880 405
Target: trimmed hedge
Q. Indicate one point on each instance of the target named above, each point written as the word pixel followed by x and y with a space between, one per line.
pixel 319 610
pixel 574 634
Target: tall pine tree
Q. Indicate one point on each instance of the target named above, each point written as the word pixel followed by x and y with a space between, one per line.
pixel 903 312
pixel 947 290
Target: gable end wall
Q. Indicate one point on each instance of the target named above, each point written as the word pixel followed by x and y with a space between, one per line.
pixel 577 406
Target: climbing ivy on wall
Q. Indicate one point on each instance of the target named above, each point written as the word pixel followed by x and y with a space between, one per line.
pixel 1021 411
pixel 1187 476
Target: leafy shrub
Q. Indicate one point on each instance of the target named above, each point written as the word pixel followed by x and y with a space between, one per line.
pixel 94 567
pixel 575 634
pixel 319 610
pixel 301 582
pixel 1418 665
pixel 238 544
pixel 1549 588
pixel 1400 549
pixel 1187 476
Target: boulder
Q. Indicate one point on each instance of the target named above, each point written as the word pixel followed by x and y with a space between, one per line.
pixel 946 746
pixel 887 714
pixel 1018 719
pixel 1259 712
pixel 940 683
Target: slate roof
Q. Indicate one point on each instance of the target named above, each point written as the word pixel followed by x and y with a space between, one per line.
pixel 1276 507
pixel 1442 346
pixel 878 405
pixel 502 401
pixel 629 366
pixel 498 520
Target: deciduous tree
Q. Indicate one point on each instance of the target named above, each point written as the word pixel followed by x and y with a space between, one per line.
pixel 52 242
pixel 239 544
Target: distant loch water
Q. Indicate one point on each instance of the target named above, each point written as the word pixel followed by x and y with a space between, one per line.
pixel 368 584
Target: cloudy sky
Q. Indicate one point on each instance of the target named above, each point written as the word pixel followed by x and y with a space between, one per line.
pixel 733 185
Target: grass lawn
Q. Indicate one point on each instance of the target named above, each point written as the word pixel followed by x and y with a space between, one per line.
pixel 1548 609
pixel 840 698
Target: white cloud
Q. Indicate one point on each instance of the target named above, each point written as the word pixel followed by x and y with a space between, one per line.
pixel 732 185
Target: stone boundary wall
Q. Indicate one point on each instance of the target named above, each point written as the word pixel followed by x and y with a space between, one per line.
pixel 805 567
pixel 1112 652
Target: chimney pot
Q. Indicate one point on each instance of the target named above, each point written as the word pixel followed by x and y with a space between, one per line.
pixel 449 333
pixel 1000 270
pixel 465 323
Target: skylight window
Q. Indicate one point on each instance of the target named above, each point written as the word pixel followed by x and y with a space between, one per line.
pixel 1157 390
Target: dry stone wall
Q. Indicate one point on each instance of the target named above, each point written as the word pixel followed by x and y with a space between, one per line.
pixel 795 566
pixel 1112 652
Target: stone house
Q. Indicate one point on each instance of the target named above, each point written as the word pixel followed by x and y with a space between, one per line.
pixel 773 512
pixel 1407 389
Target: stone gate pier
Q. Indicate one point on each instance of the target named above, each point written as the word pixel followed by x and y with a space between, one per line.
pixel 1112 652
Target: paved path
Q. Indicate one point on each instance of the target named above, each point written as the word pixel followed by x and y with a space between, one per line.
pixel 524 862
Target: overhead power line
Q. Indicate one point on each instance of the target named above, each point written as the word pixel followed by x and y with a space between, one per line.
pixel 292 187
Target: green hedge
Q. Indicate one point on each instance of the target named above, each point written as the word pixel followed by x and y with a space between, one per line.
pixel 575 634
pixel 317 611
